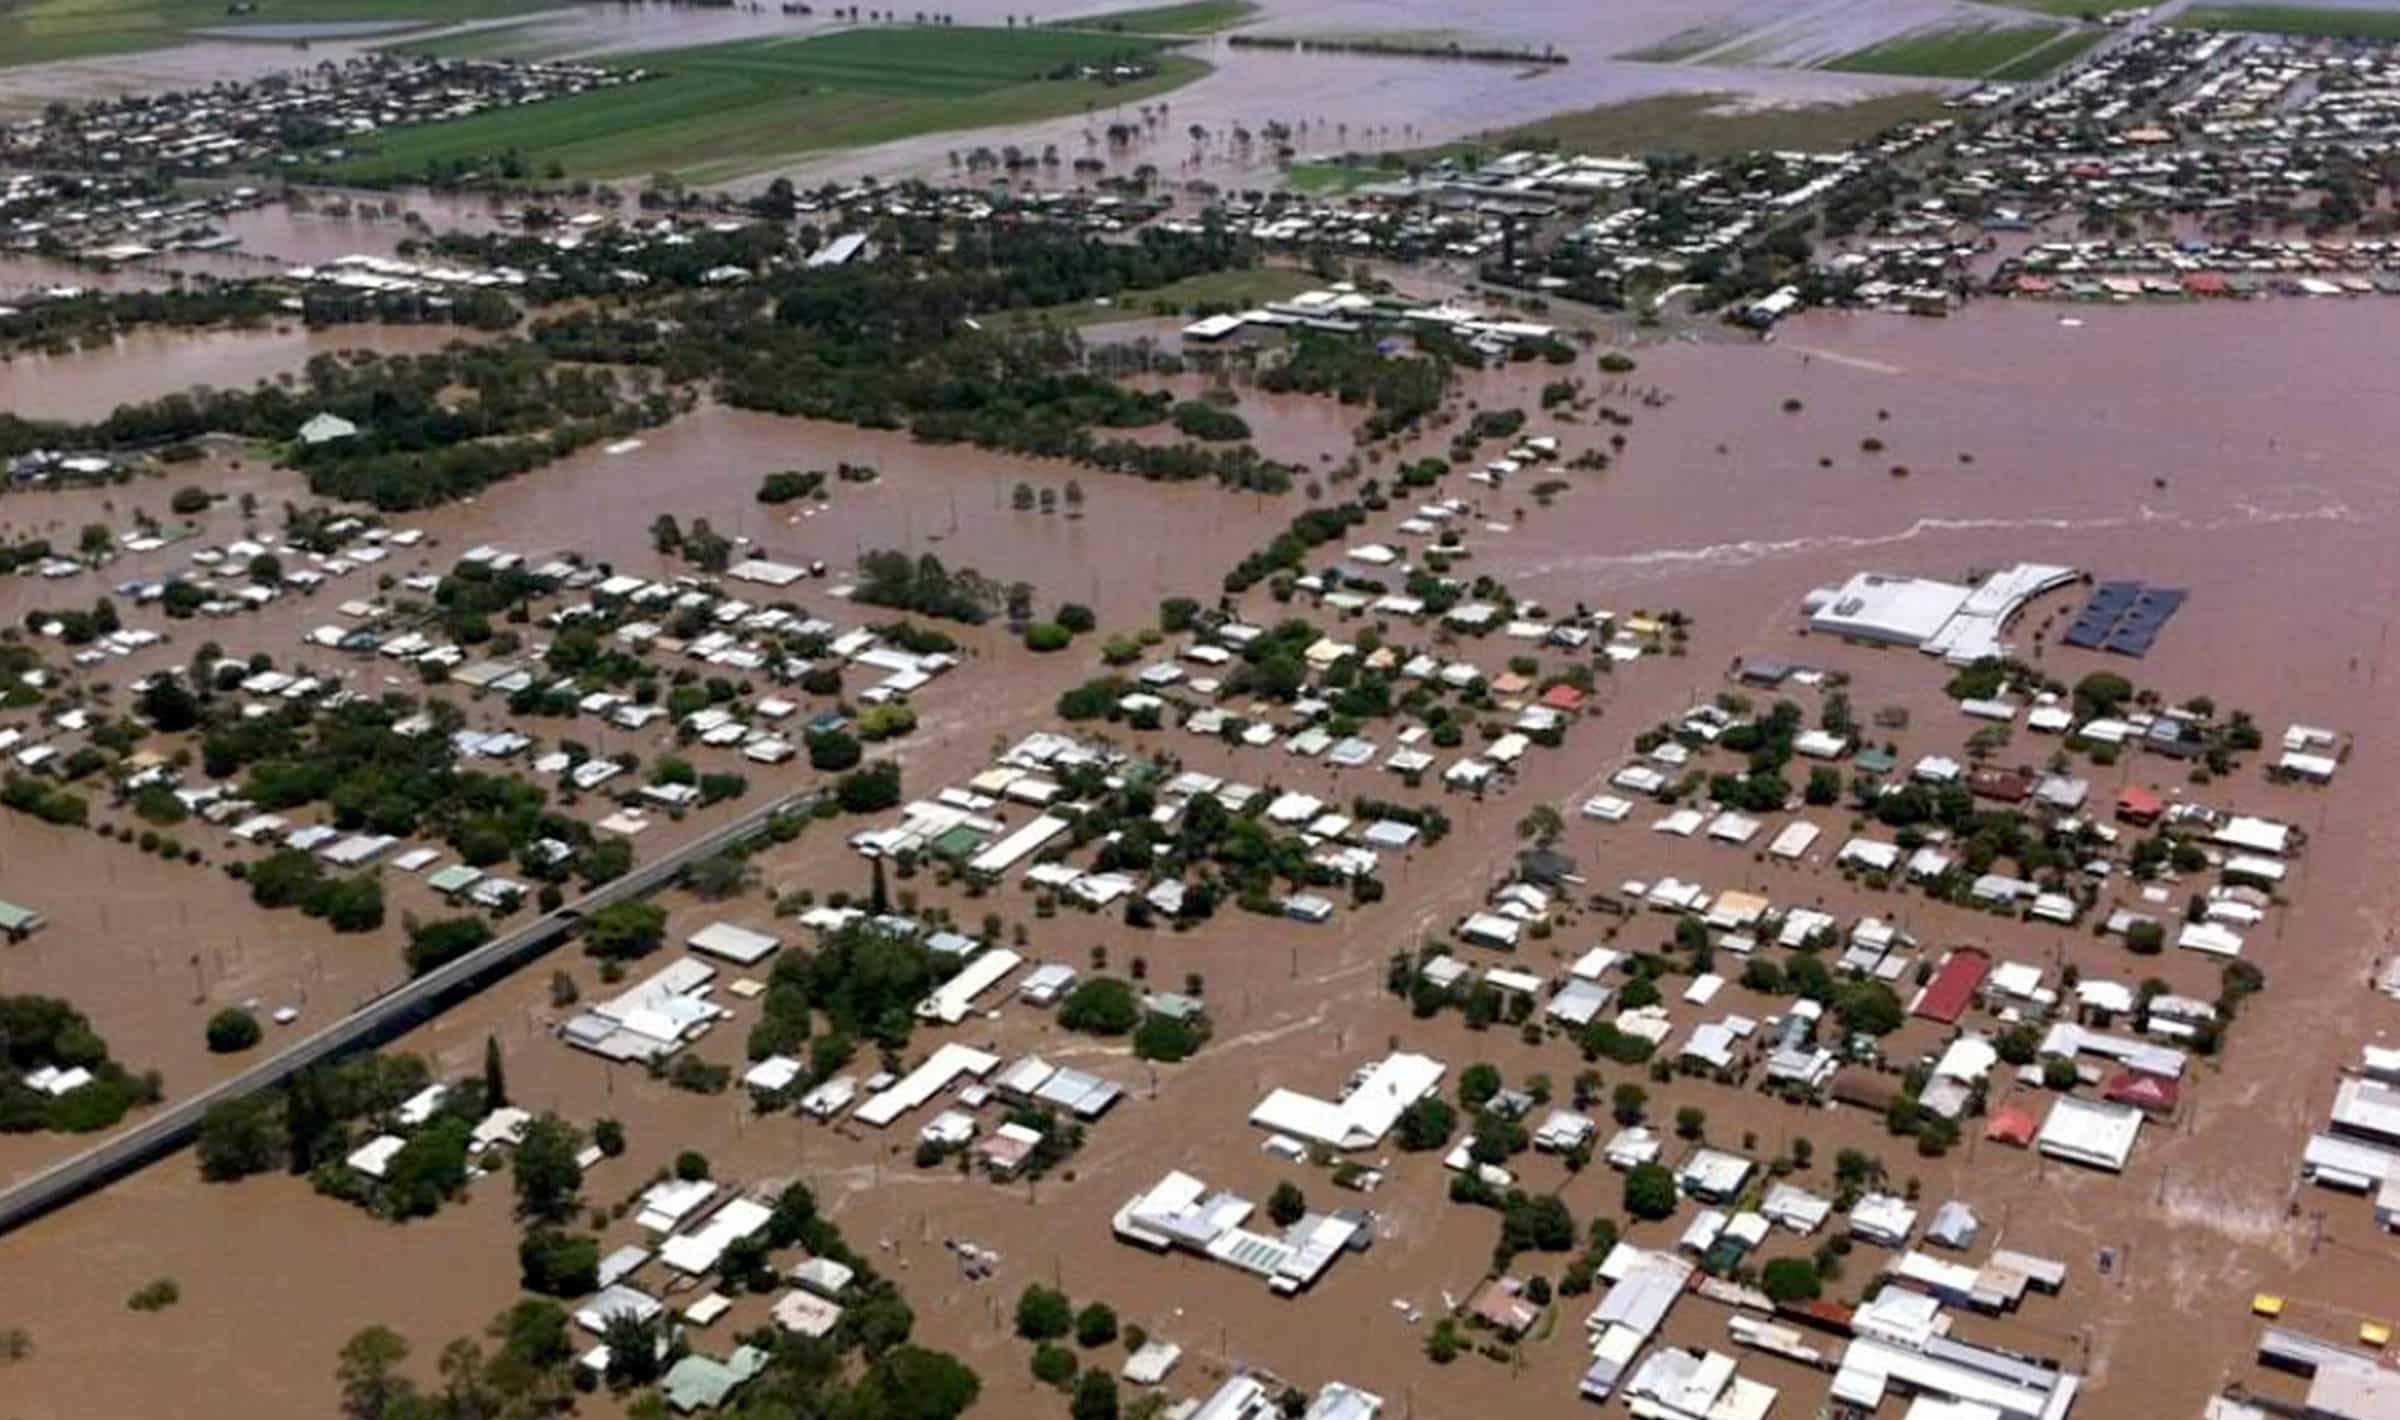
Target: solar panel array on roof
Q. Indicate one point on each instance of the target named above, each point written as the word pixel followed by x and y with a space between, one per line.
pixel 2124 617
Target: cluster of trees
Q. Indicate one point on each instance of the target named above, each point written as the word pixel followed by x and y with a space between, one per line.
pixel 887 343
pixel 97 316
pixel 354 760
pixel 292 877
pixel 790 486
pixel 418 443
pixel 1289 551
pixel 891 578
pixel 44 800
pixel 1401 389
pixel 1046 1316
pixel 861 984
pixel 1203 420
pixel 45 1032
pixel 308 1121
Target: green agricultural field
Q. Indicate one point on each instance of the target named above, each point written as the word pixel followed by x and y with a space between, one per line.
pixel 1948 51
pixel 1198 17
pixel 2049 58
pixel 721 111
pixel 38 31
pixel 2305 20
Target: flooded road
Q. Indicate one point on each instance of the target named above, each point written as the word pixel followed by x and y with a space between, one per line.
pixel 2277 509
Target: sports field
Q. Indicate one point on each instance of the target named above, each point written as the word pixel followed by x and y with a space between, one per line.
pixel 37 31
pixel 721 111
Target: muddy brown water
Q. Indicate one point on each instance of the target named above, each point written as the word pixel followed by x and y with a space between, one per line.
pixel 2276 510
pixel 146 364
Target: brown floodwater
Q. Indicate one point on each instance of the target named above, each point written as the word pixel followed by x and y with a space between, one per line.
pixel 1336 103
pixel 2276 510
pixel 146 364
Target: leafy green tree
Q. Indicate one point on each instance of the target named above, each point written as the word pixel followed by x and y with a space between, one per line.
pixel 1630 1100
pixel 555 1263
pixel 495 1079
pixel 232 1030
pixel 1870 1008
pixel 1427 1125
pixel 1101 1005
pixel 1650 1192
pixel 1096 1325
pixel 634 1356
pixel 240 1137
pixel 368 1373
pixel 169 705
pixel 1095 1397
pixel 1287 1204
pixel 544 1171
pixel 1790 1279
pixel 625 930
pixel 1044 1313
pixel 1477 1084
pixel 834 751
pixel 912 1383
pixel 1054 1364
pixel 435 943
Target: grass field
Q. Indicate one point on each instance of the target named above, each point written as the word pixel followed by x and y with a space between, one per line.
pixel 1198 17
pixel 38 31
pixel 721 111
pixel 2060 52
pixel 1705 124
pixel 2306 20
pixel 1949 51
pixel 1329 178
pixel 1232 288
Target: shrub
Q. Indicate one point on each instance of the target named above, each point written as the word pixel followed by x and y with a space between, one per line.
pixel 1790 1279
pixel 1044 1313
pixel 1103 1005
pixel 1650 1192
pixel 1054 1364
pixel 232 1029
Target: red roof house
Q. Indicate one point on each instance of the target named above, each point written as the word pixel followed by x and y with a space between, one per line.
pixel 2011 1123
pixel 1953 988
pixel 1563 697
pixel 2152 1094
pixel 2136 804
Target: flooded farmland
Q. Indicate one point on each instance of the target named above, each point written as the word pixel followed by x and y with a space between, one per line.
pixel 2177 446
